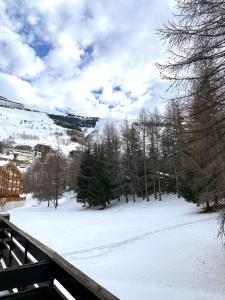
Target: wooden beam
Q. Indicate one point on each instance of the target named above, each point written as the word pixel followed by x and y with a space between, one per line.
pixel 5 215
pixel 46 293
pixel 20 276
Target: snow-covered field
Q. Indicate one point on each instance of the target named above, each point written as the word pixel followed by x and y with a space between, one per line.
pixel 160 251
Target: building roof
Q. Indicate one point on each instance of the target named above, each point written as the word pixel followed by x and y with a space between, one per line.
pixel 5 164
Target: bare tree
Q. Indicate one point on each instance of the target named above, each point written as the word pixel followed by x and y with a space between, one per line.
pixel 142 123
pixel 127 159
pixel 49 178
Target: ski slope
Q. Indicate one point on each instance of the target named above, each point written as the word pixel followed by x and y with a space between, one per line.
pixel 156 250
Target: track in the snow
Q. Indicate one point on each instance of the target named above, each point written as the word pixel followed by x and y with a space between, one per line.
pixel 131 240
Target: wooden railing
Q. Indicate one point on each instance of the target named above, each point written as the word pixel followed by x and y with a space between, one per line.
pixel 30 270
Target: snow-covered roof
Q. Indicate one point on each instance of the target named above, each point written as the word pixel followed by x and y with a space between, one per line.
pixel 3 162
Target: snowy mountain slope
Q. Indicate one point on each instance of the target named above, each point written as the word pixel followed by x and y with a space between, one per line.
pixel 20 125
pixel 31 128
pixel 10 104
pixel 155 250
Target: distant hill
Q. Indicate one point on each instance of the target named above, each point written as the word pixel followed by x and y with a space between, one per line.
pixel 20 125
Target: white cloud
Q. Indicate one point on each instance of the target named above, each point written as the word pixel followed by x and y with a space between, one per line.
pixel 67 49
pixel 17 89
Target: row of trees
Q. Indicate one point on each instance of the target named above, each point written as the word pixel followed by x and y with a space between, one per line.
pixel 136 160
pixel 139 159
pixel 150 156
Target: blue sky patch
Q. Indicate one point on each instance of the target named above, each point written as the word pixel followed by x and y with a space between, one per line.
pixel 41 48
pixel 97 93
pixel 117 88
pixel 87 56
pixel 129 96
pixel 87 14
pixel 111 106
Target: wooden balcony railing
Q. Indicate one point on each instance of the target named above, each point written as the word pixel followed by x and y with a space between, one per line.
pixel 30 270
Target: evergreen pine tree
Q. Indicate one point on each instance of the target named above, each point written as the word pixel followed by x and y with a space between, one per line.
pixel 93 184
pixel 99 183
pixel 84 175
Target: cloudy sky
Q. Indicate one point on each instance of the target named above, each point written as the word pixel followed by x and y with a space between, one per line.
pixel 96 57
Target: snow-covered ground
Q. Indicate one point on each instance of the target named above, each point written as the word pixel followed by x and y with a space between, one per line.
pixel 160 251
